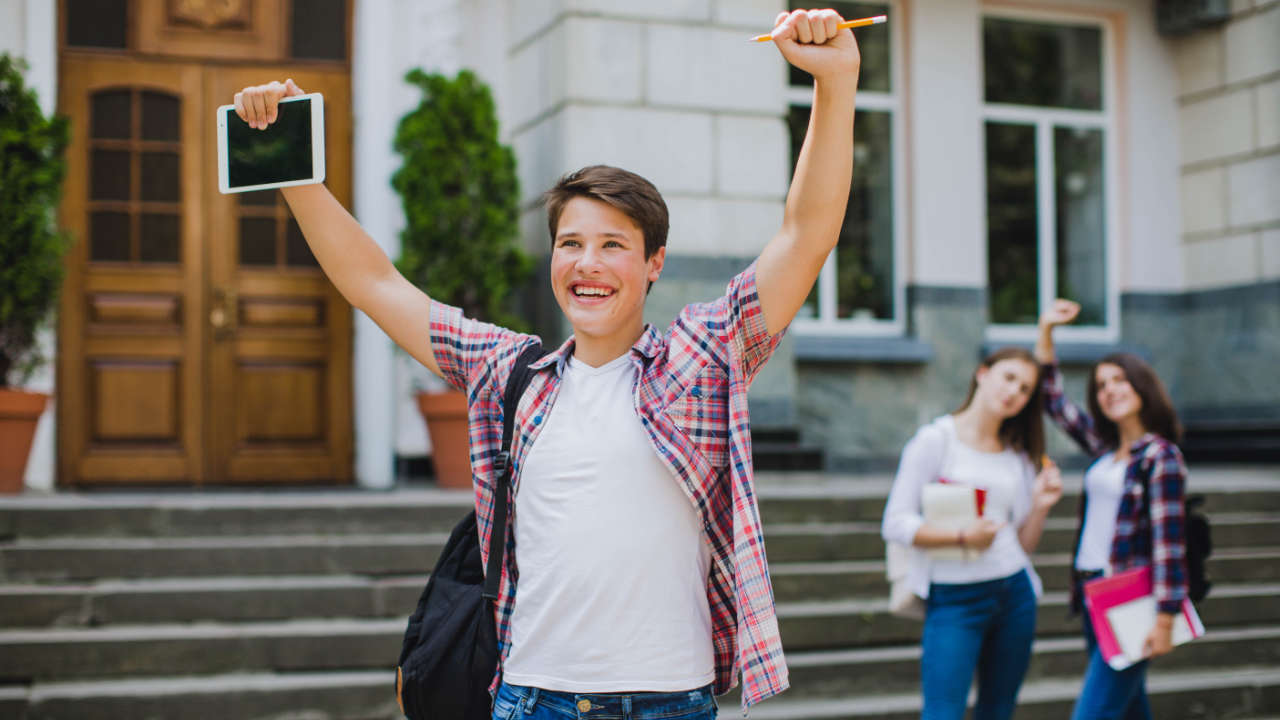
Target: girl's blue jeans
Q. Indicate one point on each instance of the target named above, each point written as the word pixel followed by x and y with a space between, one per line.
pixel 984 628
pixel 515 702
pixel 1110 694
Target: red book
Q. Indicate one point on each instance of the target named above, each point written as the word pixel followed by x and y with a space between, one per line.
pixel 1122 608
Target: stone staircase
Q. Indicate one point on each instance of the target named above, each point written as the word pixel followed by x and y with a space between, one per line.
pixel 291 605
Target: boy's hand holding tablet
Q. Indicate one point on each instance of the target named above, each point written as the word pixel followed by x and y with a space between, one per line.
pixel 272 137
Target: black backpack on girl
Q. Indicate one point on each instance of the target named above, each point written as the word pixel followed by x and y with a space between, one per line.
pixel 450 648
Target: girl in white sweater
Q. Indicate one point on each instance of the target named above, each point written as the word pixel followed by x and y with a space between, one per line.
pixel 981 603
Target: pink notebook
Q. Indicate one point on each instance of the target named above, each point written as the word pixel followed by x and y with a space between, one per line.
pixel 1123 611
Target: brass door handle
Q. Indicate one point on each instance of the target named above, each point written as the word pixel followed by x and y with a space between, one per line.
pixel 224 314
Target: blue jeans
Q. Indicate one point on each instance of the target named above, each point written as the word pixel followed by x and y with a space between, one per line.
pixel 1109 694
pixel 514 702
pixel 987 628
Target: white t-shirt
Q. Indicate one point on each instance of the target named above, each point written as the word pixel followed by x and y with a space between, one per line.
pixel 613 565
pixel 1104 484
pixel 1007 476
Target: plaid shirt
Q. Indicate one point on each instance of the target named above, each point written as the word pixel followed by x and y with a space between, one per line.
pixel 1150 527
pixel 691 394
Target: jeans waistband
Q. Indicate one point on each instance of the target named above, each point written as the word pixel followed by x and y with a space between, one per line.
pixel 608 706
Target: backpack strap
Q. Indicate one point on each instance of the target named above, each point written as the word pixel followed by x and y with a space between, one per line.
pixel 516 384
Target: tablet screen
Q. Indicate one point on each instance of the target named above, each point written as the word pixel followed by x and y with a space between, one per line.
pixel 280 153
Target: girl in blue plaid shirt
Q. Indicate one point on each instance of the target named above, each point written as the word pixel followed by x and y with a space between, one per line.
pixel 1131 510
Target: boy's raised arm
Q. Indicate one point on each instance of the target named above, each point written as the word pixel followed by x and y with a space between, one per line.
pixel 354 263
pixel 815 208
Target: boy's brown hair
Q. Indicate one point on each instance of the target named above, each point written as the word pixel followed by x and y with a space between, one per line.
pixel 634 196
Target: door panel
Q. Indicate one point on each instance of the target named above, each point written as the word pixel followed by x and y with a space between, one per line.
pixel 280 348
pixel 199 342
pixel 130 364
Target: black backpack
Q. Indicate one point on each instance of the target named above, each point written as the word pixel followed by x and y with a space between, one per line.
pixel 1199 540
pixel 1199 548
pixel 450 648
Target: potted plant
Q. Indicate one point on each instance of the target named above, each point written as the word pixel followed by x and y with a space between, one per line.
pixel 31 249
pixel 460 243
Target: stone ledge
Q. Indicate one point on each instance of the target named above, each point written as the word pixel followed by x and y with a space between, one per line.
pixel 1075 353
pixel 889 351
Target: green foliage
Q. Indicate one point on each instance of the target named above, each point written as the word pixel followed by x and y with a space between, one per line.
pixel 31 246
pixel 461 199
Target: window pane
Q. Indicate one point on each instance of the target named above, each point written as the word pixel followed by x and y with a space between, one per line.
pixel 297 252
pixel 159 242
pixel 112 115
pixel 1012 245
pixel 109 236
pixel 864 254
pixel 97 23
pixel 1081 220
pixel 1029 63
pixel 110 175
pixel 160 177
pixel 159 117
pixel 319 29
pixel 873 43
pixel 257 241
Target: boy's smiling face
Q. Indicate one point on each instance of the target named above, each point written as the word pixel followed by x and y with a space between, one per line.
pixel 599 273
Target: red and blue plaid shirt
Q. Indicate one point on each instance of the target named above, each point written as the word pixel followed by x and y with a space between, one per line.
pixel 1150 525
pixel 691 394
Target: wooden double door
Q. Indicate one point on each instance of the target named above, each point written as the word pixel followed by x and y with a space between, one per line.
pixel 199 342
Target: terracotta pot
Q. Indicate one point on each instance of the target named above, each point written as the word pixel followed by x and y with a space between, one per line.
pixel 446 416
pixel 19 412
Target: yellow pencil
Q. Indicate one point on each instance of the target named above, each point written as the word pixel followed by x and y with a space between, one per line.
pixel 846 24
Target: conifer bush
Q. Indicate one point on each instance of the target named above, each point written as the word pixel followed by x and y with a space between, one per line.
pixel 461 199
pixel 31 245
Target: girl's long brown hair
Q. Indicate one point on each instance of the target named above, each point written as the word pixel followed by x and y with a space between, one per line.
pixel 1157 414
pixel 1024 431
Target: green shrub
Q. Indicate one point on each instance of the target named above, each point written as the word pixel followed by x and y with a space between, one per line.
pixel 461 199
pixel 31 246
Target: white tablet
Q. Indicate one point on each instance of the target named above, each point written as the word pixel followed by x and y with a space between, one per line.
pixel 289 152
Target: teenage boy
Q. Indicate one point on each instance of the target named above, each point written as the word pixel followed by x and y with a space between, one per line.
pixel 635 541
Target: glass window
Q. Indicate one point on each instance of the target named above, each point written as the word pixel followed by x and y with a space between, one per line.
pixel 319 29
pixel 859 282
pixel 123 176
pixel 1046 130
pixel 97 23
pixel 1012 222
pixel 873 44
pixel 1031 63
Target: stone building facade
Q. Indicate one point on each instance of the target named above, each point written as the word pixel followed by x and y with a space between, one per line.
pixel 1007 151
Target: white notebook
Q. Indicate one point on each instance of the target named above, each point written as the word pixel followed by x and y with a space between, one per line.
pixel 952 507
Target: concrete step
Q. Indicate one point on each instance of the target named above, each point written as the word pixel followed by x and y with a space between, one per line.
pixel 364 695
pixel 255 598
pixel 896 669
pixel 842 579
pixel 842 541
pixel 62 559
pixel 179 514
pixel 71 559
pixel 865 622
pixel 199 649
pixel 785 497
pixel 1178 695
pixel 229 599
pixel 353 643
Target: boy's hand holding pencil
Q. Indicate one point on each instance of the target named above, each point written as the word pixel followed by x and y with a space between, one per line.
pixel 816 42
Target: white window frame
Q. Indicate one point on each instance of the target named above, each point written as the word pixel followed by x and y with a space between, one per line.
pixel 1045 120
pixel 826 323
